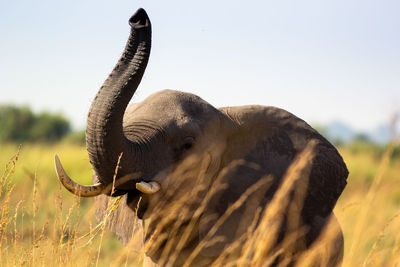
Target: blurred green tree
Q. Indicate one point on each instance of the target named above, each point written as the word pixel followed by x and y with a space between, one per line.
pixel 20 124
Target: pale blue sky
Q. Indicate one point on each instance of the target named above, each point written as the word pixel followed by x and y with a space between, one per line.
pixel 321 60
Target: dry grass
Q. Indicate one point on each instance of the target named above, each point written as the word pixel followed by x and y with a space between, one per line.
pixel 43 225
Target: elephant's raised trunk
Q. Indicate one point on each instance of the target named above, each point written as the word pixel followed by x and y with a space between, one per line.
pixel 105 139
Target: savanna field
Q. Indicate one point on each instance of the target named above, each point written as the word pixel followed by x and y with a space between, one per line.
pixel 44 225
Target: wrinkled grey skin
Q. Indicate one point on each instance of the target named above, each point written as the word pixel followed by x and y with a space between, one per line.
pixel 169 126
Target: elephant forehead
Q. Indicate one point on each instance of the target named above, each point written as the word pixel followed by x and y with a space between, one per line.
pixel 168 107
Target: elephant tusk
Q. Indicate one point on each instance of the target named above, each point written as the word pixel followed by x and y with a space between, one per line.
pixel 75 188
pixel 148 187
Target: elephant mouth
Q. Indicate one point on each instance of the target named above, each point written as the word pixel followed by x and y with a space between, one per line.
pixel 114 189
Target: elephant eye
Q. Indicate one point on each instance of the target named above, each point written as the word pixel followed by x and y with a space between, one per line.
pixel 187 146
pixel 188 143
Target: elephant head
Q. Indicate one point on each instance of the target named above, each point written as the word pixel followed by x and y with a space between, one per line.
pixel 149 137
pixel 139 151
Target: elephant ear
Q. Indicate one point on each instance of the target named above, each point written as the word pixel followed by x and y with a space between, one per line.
pixel 231 210
pixel 250 187
pixel 123 221
pixel 250 184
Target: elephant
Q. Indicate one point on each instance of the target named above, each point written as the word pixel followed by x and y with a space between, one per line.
pixel 194 174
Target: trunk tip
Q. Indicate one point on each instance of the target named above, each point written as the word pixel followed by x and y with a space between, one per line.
pixel 140 18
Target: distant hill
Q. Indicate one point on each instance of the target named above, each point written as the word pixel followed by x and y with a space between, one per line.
pixel 382 134
pixel 339 132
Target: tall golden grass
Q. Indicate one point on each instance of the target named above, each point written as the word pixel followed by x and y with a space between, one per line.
pixel 42 224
